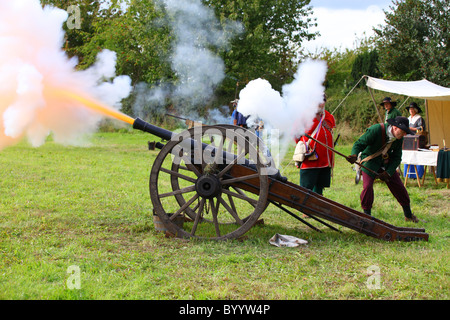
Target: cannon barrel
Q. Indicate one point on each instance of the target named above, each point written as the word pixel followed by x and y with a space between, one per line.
pixel 167 135
pixel 142 125
pixel 150 128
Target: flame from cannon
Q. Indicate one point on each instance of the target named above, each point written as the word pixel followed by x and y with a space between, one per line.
pixel 41 91
pixel 94 105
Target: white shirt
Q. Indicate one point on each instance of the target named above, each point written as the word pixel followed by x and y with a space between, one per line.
pixel 413 119
pixel 391 136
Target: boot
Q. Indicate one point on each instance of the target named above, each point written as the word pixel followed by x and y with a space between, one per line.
pixel 368 211
pixel 413 218
pixel 408 215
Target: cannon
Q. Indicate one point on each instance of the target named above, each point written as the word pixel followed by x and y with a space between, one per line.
pixel 214 182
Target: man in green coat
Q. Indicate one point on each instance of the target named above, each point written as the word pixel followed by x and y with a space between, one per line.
pixel 381 152
pixel 391 111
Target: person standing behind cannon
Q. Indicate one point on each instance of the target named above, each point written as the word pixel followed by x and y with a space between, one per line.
pixel 381 152
pixel 259 128
pixel 234 114
pixel 315 170
pixel 391 111
pixel 237 118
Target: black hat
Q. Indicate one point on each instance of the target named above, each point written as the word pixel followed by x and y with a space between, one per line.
pixel 388 99
pixel 414 105
pixel 401 123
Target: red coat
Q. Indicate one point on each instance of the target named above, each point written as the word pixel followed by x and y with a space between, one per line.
pixel 324 135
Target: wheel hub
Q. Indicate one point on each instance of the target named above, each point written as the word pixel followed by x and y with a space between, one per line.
pixel 208 186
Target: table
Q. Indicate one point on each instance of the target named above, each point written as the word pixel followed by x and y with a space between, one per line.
pixel 443 166
pixel 420 158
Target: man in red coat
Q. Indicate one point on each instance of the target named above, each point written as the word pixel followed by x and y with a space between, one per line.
pixel 315 170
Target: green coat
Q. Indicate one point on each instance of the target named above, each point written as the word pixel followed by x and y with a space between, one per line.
pixel 392 114
pixel 370 142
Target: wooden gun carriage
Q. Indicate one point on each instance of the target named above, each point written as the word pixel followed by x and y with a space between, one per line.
pixel 218 180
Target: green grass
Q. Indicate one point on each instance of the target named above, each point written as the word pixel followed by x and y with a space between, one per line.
pixel 89 207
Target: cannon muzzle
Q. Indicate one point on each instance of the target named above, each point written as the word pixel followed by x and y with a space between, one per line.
pixel 150 128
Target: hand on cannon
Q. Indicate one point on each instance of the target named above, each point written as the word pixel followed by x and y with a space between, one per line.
pixel 384 176
pixel 352 159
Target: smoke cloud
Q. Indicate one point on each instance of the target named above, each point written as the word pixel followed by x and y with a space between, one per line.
pixel 33 68
pixel 290 112
pixel 199 70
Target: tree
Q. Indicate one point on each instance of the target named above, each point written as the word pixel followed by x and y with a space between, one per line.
pixel 141 34
pixel 272 35
pixel 414 43
pixel 365 65
pixel 90 12
pixel 141 45
pixel 130 28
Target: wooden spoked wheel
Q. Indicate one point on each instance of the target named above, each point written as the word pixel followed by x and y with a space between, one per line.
pixel 195 188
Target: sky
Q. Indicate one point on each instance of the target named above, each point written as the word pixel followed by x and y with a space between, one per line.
pixel 342 22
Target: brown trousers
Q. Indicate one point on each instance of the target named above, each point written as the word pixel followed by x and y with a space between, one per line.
pixel 395 185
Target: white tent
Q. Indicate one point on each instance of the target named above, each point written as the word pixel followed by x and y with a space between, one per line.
pixel 422 89
pixel 437 103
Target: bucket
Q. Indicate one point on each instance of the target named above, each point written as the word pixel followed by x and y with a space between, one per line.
pixel 160 227
pixel 412 172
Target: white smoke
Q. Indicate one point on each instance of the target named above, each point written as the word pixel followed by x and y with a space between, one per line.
pixel 33 67
pixel 199 70
pixel 292 112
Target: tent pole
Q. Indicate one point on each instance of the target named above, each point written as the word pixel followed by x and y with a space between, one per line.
pixel 348 94
pixel 375 104
pixel 403 103
pixel 427 121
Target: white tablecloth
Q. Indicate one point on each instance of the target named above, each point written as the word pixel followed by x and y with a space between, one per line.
pixel 420 158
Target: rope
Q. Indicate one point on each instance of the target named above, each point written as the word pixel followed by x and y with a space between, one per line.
pixel 283 168
pixel 399 108
pixel 348 94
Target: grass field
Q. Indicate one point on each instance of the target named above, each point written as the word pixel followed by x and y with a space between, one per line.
pixel 87 210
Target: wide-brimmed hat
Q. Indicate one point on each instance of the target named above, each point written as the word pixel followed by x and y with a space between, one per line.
pixel 414 105
pixel 388 99
pixel 401 123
